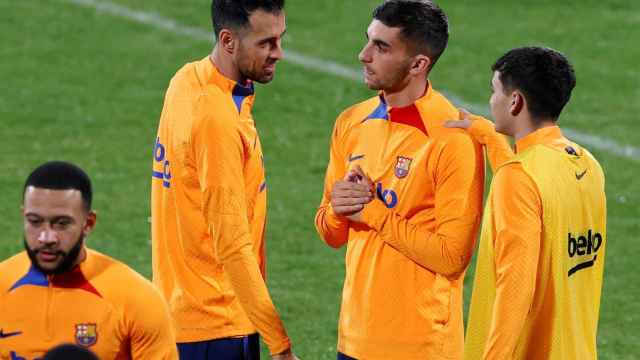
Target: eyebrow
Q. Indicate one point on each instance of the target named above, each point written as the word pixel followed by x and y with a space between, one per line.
pixel 381 43
pixel 269 39
pixel 377 42
pixel 53 218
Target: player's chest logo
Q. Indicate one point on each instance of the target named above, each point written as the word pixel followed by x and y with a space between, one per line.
pixel 86 334
pixel 403 164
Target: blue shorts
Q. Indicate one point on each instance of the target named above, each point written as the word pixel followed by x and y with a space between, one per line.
pixel 237 348
pixel 342 356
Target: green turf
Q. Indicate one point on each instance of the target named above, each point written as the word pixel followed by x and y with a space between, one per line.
pixel 88 87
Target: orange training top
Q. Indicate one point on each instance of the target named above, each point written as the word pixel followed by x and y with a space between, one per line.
pixel 101 304
pixel 208 210
pixel 402 296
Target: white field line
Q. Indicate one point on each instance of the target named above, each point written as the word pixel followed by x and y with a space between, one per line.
pixel 329 68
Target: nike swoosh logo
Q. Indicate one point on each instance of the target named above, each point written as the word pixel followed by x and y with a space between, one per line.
pixel 4 335
pixel 580 176
pixel 356 157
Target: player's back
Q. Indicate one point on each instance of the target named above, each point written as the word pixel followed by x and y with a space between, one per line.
pixel 101 304
pixel 563 317
pixel 563 320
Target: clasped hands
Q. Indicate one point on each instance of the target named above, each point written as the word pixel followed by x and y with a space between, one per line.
pixel 351 194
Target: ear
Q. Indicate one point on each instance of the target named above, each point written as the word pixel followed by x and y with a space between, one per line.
pixel 420 64
pixel 517 103
pixel 227 41
pixel 90 222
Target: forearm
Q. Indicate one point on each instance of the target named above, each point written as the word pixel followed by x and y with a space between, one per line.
pixel 515 263
pixel 511 306
pixel 440 252
pixel 333 229
pixel 244 275
pixel 232 244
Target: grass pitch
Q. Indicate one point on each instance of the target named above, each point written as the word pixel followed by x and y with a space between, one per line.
pixel 87 87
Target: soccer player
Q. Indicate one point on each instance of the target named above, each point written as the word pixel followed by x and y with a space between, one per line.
pixel 59 291
pixel 209 195
pixel 410 233
pixel 538 278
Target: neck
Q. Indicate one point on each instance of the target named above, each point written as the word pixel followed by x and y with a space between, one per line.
pixel 407 94
pixel 225 65
pixel 82 256
pixel 529 127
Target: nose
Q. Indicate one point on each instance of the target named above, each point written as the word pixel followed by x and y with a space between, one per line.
pixel 277 53
pixel 365 55
pixel 47 236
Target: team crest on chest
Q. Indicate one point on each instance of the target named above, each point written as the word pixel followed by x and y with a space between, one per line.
pixel 86 334
pixel 402 166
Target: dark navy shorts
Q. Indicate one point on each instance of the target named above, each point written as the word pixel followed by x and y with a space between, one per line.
pixel 342 356
pixel 240 348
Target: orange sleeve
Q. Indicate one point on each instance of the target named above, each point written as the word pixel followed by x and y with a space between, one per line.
pixel 517 211
pixel 220 158
pixel 498 148
pixel 458 204
pixel 333 229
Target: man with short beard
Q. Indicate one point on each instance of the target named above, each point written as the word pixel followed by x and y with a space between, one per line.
pixel 209 195
pixel 59 291
pixel 404 194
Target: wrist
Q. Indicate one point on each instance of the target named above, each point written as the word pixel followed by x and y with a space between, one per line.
pixel 374 214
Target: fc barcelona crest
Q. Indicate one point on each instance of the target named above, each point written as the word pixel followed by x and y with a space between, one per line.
pixel 402 166
pixel 86 334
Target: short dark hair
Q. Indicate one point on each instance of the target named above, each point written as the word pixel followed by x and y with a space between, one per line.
pixel 60 175
pixel 545 77
pixel 235 14
pixel 69 351
pixel 423 24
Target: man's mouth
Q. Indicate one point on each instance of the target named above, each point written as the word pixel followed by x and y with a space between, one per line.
pixel 47 255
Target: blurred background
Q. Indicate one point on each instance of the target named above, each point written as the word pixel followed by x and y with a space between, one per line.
pixel 84 81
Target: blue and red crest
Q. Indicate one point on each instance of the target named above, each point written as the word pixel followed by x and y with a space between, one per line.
pixel 402 166
pixel 86 334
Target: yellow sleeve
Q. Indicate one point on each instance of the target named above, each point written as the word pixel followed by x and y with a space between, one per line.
pixel 151 331
pixel 220 160
pixel 333 229
pixel 498 148
pixel 448 248
pixel 517 212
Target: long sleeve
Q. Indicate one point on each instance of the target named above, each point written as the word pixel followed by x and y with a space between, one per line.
pixel 447 249
pixel 333 229
pixel 219 154
pixel 498 149
pixel 517 211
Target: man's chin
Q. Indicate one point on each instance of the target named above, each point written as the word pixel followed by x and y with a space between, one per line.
pixel 265 78
pixel 372 85
pixel 49 268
